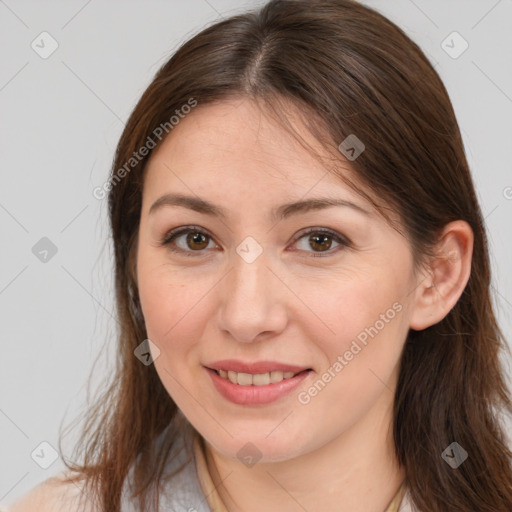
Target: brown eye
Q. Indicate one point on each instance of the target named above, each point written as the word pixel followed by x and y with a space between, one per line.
pixel 191 241
pixel 196 241
pixel 187 241
pixel 317 241
pixel 320 242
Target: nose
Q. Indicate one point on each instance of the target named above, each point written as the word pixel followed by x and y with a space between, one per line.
pixel 252 301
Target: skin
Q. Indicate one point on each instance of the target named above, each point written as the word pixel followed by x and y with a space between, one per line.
pixel 335 452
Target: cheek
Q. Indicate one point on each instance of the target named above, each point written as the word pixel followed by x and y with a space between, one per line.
pixel 171 309
pixel 368 318
pixel 176 309
pixel 169 299
pixel 359 309
pixel 361 365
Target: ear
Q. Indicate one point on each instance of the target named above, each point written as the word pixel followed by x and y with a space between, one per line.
pixel 446 277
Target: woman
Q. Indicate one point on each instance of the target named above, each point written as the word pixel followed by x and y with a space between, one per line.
pixel 302 280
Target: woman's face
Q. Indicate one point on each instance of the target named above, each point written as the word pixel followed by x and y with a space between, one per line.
pixel 251 289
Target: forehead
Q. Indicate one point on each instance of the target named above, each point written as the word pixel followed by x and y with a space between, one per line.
pixel 236 143
pixel 235 130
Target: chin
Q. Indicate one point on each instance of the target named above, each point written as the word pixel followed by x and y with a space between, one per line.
pixel 259 447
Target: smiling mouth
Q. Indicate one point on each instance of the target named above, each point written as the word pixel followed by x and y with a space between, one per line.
pixel 257 379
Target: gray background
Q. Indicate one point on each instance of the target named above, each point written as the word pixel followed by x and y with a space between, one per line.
pixel 62 117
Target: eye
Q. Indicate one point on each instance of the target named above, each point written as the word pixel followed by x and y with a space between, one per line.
pixel 321 240
pixel 191 240
pixel 194 242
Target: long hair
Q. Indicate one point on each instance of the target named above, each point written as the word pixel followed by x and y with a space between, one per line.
pixel 349 70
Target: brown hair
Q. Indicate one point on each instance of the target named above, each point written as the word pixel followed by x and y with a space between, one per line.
pixel 350 71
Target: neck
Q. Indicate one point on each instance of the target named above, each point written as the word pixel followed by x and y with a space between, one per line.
pixel 357 471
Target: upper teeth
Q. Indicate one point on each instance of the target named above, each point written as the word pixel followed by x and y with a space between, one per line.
pixel 258 379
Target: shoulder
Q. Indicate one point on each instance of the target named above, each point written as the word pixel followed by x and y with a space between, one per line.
pixel 55 494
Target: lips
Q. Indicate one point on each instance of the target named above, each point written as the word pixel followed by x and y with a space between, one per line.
pixel 255 383
pixel 255 393
pixel 257 367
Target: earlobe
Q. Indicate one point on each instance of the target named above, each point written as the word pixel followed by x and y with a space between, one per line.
pixel 446 276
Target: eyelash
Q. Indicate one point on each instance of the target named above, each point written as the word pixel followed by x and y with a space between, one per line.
pixel 177 232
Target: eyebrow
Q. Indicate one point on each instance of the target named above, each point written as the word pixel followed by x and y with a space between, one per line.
pixel 282 212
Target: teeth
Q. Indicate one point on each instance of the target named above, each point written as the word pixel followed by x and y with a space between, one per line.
pixel 261 379
pixel 244 379
pixel 258 379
